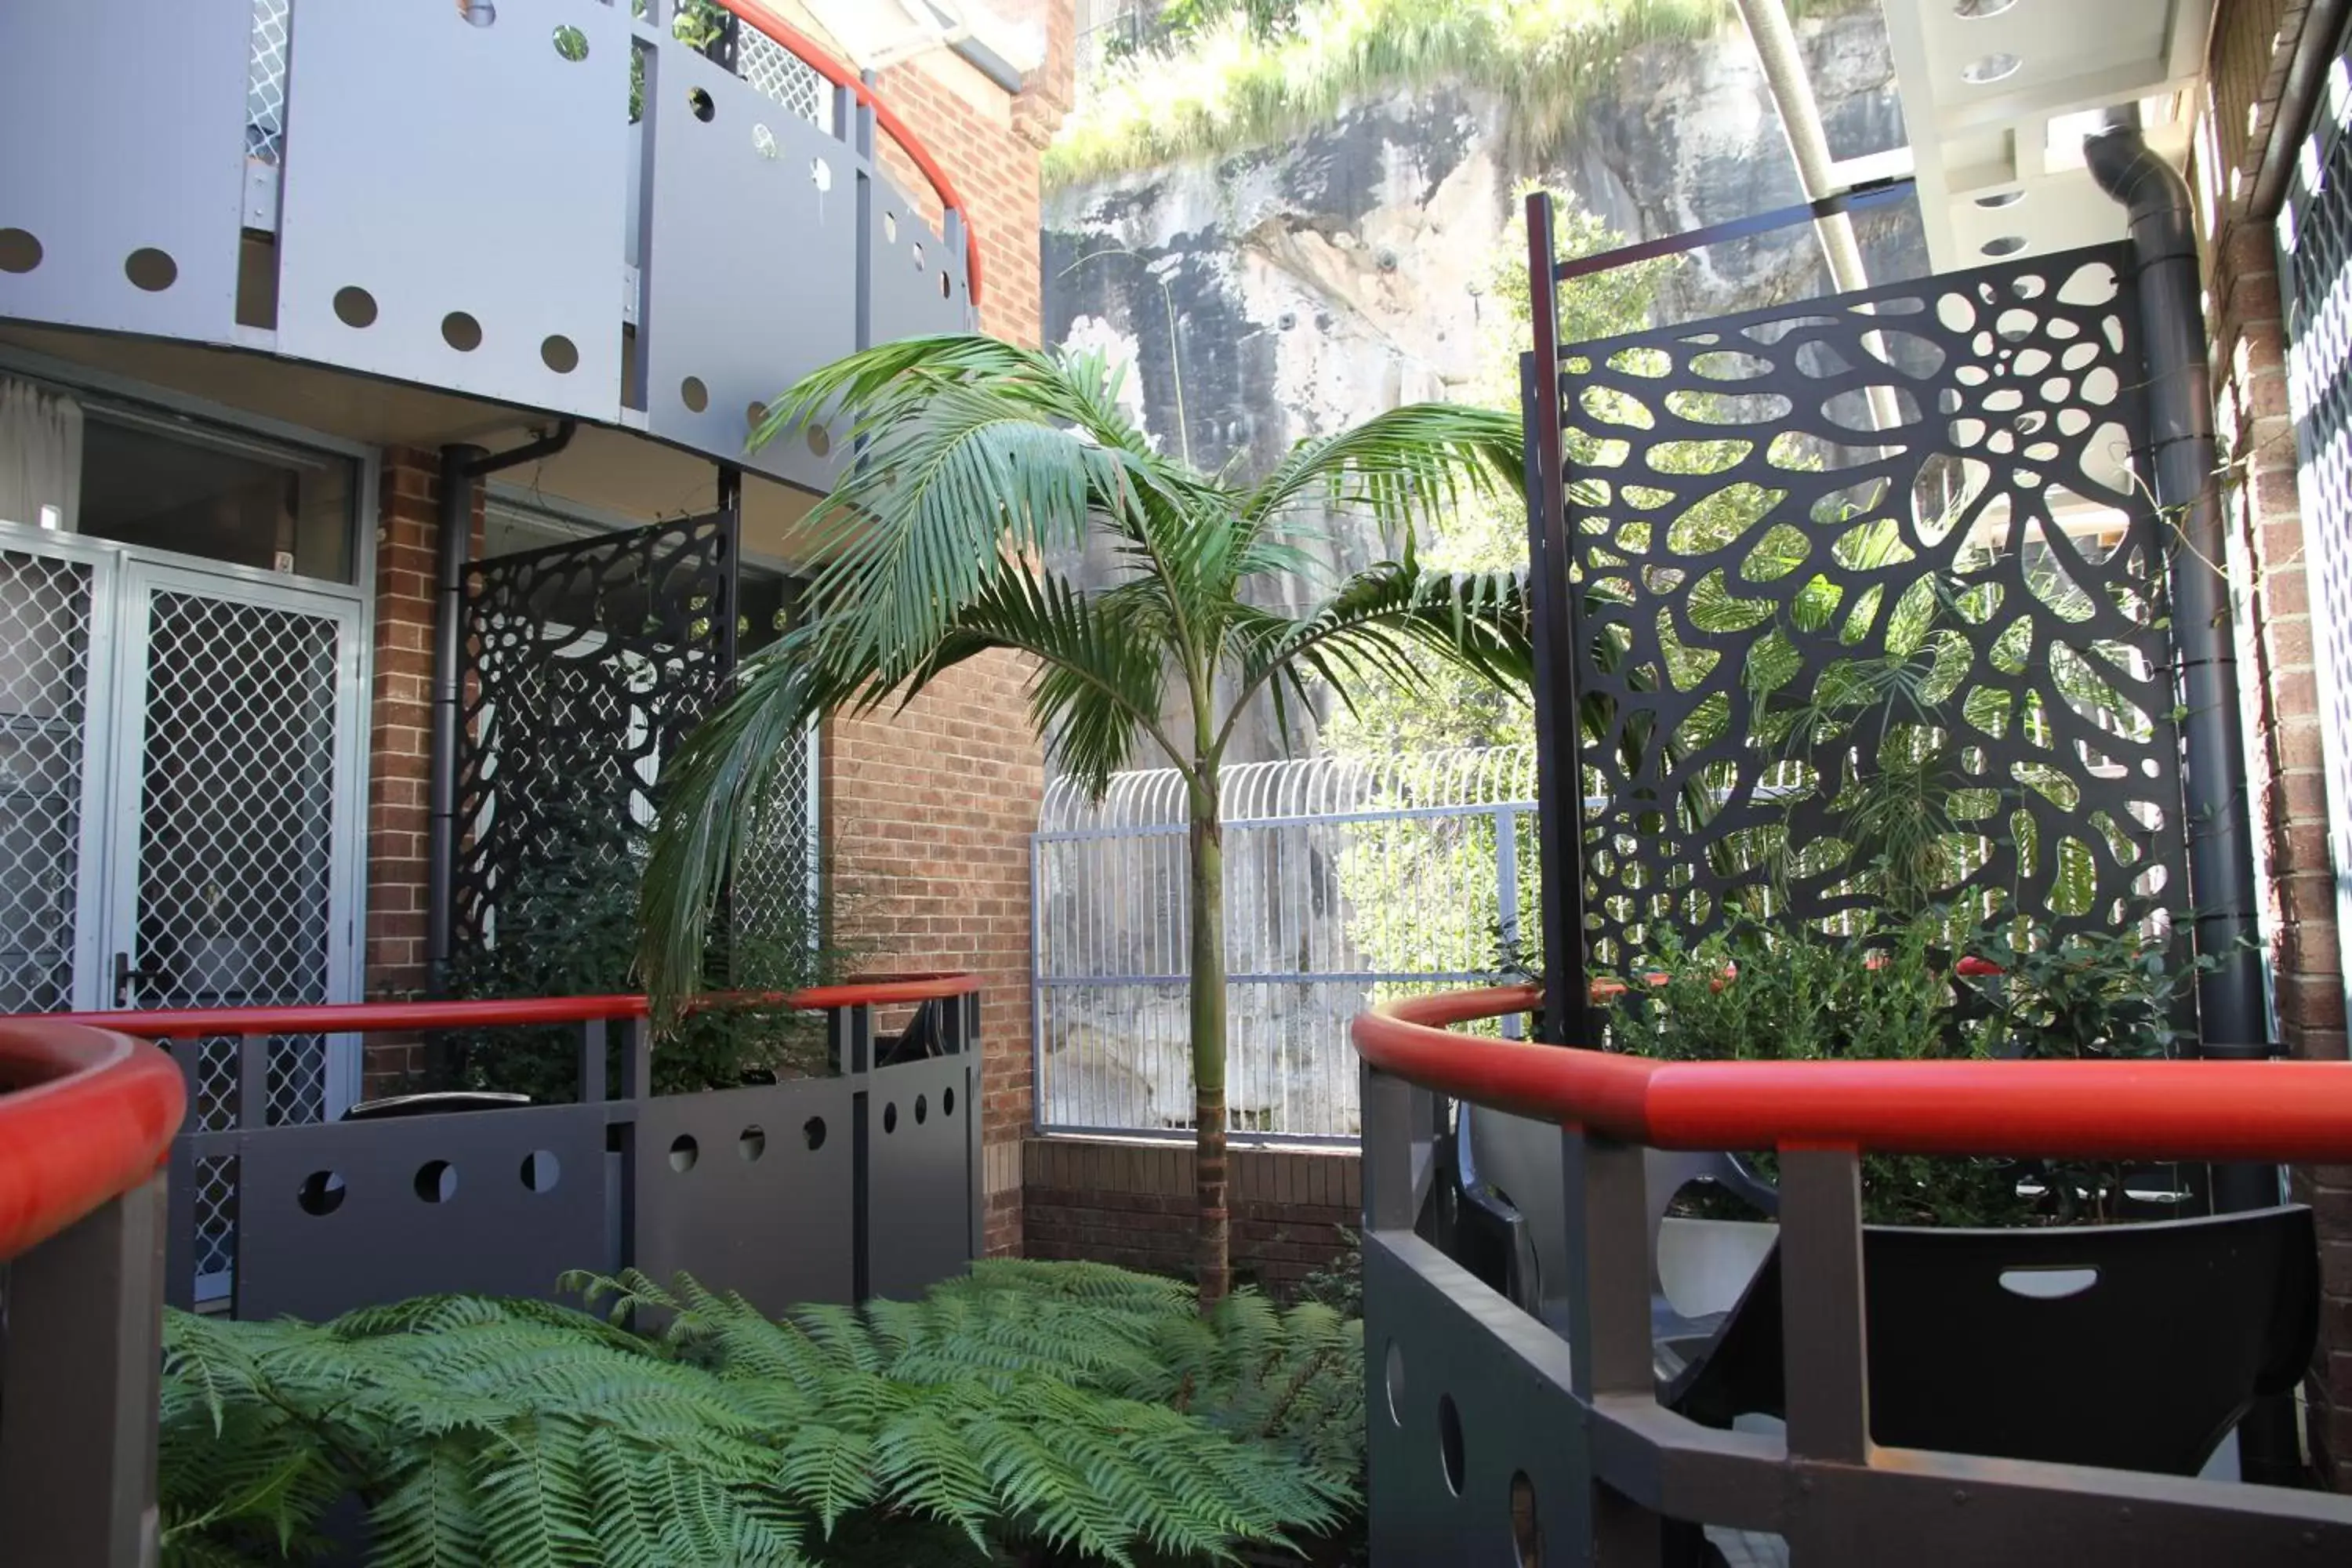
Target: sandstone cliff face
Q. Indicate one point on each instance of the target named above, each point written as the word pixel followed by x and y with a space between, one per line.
pixel 1286 291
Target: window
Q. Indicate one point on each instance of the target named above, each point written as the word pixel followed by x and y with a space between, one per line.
pixel 162 484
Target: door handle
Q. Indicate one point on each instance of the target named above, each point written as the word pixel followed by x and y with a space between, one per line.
pixel 125 976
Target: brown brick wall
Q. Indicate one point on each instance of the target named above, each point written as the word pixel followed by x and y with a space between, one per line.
pixel 400 748
pixel 928 811
pixel 2240 116
pixel 1131 1203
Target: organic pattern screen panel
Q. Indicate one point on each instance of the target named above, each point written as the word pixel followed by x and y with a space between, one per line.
pixel 1870 597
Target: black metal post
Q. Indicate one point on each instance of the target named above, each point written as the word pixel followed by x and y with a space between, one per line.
pixel 1559 783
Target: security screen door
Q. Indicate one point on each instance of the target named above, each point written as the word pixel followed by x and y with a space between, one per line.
pixel 177 752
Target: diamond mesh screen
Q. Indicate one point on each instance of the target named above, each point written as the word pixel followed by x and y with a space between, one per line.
pixel 2316 235
pixel 1830 548
pixel 44 612
pixel 783 76
pixel 265 93
pixel 235 842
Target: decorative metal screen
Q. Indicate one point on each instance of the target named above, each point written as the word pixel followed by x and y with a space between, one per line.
pixel 45 626
pixel 591 662
pixel 1816 545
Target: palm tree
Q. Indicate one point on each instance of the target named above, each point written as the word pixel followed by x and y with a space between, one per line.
pixel 979 465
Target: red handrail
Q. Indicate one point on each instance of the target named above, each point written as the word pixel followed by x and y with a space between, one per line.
pixel 369 1018
pixel 85 1116
pixel 2269 1112
pixel 792 38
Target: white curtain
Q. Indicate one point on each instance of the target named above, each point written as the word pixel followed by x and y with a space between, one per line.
pixel 40 457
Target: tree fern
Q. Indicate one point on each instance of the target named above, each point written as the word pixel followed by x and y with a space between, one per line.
pixel 1071 1405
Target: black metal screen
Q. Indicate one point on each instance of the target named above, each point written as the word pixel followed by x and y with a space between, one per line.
pixel 588 663
pixel 1827 554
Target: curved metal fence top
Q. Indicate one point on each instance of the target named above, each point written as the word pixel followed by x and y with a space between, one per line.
pixel 1300 788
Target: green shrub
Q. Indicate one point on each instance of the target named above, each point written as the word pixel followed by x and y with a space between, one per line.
pixel 1071 1407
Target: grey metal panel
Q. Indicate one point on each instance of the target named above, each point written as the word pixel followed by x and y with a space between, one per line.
pixel 1506 1378
pixel 750 275
pixel 445 168
pixel 123 128
pixel 910 260
pixel 384 1241
pixel 765 1215
pixel 919 1123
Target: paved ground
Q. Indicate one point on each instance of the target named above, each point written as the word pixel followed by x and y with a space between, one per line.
pixel 1743 1550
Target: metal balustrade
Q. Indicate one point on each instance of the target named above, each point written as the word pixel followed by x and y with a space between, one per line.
pixel 1498 1437
pixel 652 238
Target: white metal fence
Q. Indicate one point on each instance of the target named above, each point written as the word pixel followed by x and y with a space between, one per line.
pixel 1344 883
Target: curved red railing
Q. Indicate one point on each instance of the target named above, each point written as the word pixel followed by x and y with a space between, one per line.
pixel 2256 1110
pixel 85 1116
pixel 369 1018
pixel 787 37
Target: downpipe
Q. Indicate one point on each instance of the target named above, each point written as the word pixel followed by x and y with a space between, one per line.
pixel 2234 1018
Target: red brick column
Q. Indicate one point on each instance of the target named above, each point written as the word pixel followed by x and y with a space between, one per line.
pixel 400 733
pixel 928 811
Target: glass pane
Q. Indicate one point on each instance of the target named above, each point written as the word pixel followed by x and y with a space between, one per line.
pixel 248 504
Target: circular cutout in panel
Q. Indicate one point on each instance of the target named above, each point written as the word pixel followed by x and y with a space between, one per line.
pixel 820 440
pixel 922 1109
pixel 479 13
pixel 694 394
pixel 1986 69
pixel 820 175
pixel 2007 245
pixel 917 249
pixel 700 103
pixel 570 43
pixel 2000 199
pixel 1449 1442
pixel 752 1144
pixel 321 1193
pixel 1978 10
pixel 19 251
pixel 946 1103
pixel 682 1153
pixel 890 1117
pixel 890 226
pixel 151 270
pixel 1526 1534
pixel 354 307
pixel 461 331
pixel 754 415
pixel 1392 1381
pixel 559 353
pixel 764 141
pixel 436 1181
pixel 812 1132
pixel 541 1171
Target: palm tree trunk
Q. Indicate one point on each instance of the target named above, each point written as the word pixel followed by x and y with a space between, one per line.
pixel 1214 1264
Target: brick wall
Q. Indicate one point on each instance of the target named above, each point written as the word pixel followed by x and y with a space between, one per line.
pixel 1131 1203
pixel 2240 117
pixel 928 811
pixel 400 727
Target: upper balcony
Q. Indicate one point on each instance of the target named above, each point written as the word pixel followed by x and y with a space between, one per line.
pixel 576 206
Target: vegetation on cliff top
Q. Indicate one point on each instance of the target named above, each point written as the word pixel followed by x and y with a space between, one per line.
pixel 1239 79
